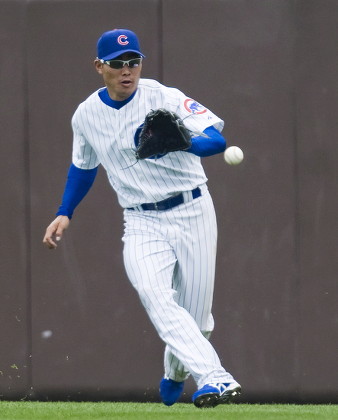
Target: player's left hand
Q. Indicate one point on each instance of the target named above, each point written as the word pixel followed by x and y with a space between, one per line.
pixel 163 132
pixel 55 230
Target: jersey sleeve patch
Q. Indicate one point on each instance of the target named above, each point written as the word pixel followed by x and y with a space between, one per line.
pixel 194 107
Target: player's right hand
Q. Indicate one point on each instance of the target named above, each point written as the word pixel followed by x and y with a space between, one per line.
pixel 55 230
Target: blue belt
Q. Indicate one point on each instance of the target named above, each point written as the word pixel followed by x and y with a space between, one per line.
pixel 168 203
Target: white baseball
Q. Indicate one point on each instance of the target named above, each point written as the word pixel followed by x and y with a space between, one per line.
pixel 233 155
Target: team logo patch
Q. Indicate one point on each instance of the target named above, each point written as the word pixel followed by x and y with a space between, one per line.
pixel 194 107
pixel 123 40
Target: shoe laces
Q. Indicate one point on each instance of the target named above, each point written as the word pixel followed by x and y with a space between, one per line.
pixel 220 387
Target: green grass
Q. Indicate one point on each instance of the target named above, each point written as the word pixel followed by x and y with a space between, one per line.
pixel 27 410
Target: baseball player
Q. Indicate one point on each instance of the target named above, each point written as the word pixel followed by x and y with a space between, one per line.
pixel 170 225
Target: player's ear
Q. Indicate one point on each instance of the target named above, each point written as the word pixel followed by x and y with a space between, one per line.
pixel 98 65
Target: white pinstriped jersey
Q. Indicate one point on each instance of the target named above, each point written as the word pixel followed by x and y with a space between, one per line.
pixel 105 135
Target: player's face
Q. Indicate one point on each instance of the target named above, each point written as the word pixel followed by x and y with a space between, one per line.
pixel 121 83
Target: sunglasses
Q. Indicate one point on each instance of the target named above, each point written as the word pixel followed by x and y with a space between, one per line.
pixel 119 64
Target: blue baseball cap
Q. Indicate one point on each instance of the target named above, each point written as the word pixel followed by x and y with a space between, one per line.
pixel 114 43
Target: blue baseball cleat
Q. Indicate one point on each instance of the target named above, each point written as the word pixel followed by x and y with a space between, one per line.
pixel 211 395
pixel 170 391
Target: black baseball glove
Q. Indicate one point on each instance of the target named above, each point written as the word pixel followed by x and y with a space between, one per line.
pixel 163 132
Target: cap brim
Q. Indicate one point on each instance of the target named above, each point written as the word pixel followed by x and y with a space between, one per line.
pixel 117 53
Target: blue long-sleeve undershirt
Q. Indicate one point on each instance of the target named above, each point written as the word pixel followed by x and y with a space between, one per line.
pixel 79 181
pixel 212 143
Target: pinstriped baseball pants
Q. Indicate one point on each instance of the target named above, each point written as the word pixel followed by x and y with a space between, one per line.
pixel 169 257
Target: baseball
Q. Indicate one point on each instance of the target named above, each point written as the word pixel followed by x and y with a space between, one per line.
pixel 233 155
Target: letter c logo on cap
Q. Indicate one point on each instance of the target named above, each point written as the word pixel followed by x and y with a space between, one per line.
pixel 122 40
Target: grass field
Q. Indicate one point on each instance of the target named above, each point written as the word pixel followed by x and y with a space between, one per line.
pixel 11 410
